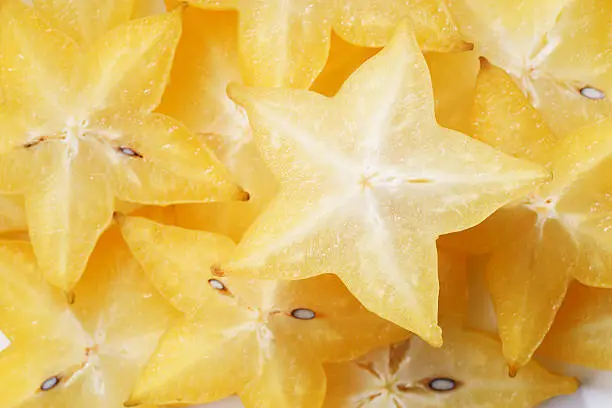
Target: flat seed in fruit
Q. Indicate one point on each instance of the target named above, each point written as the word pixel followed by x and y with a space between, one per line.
pixel 557 233
pixel 266 342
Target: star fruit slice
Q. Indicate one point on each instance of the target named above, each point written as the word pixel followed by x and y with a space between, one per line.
pixel 264 340
pixel 468 371
pixel 86 21
pixel 555 50
pixel 453 77
pixel 582 328
pixel 368 181
pixel 558 233
pixel 287 43
pixel 78 131
pixel 206 62
pixel 84 355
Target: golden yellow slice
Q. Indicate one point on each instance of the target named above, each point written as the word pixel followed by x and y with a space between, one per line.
pixel 453 76
pixel 555 50
pixel 78 132
pixel 84 355
pixel 344 58
pixel 468 371
pixel 371 23
pixel 264 340
pixel 206 62
pixel 582 329
pixel 558 233
pixel 368 182
pixel 286 43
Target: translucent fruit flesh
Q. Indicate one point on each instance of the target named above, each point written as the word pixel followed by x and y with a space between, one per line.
pixel 553 49
pixel 78 132
pixel 206 62
pixel 87 354
pixel 582 328
pixel 469 370
pixel 243 335
pixel 557 233
pixel 287 43
pixel 356 194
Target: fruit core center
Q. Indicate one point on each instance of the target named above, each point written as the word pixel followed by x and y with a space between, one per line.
pixel 544 207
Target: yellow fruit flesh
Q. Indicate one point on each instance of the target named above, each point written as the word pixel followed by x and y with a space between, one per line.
pixel 581 331
pixel 95 347
pixel 555 234
pixel 371 23
pixel 240 317
pixel 348 190
pixel 471 360
pixel 74 155
pixel 206 62
pixel 553 49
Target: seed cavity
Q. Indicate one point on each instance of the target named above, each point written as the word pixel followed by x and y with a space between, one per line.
pixel 34 142
pixel 592 93
pixel 216 284
pixel 442 384
pixel 50 383
pixel 303 314
pixel 128 151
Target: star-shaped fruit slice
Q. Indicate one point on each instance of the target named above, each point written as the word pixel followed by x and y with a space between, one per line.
pixel 468 371
pixel 286 43
pixel 368 181
pixel 264 340
pixel 77 131
pixel 555 50
pixel 206 62
pixel 87 354
pixel 559 232
pixel 582 329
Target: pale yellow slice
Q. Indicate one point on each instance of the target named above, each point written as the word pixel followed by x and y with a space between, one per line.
pixel 368 180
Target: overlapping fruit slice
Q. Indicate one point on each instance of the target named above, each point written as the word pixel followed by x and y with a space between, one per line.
pixel 206 62
pixel 558 233
pixel 262 339
pixel 366 196
pixel 287 43
pixel 84 355
pixel 86 21
pixel 556 51
pixel 77 131
pixel 453 77
pixel 468 371
pixel 582 329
